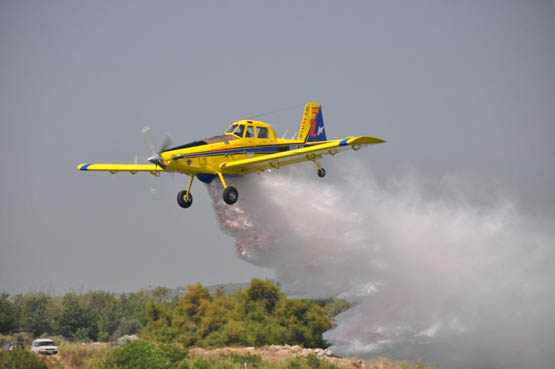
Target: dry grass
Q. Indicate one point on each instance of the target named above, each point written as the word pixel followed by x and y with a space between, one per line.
pixel 77 356
pixel 278 354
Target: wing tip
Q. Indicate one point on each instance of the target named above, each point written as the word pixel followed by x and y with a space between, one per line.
pixel 83 166
pixel 365 140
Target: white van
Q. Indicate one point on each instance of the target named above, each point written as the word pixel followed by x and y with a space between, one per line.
pixel 44 346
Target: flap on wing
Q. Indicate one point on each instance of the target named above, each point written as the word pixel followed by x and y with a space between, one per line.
pixel 113 168
pixel 296 156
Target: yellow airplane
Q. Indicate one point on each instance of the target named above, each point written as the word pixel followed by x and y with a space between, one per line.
pixel 246 146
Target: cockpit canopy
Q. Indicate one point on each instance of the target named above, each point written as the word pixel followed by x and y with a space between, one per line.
pixel 238 130
pixel 251 129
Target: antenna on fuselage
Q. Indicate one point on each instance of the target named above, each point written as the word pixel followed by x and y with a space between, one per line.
pixel 293 137
pixel 285 133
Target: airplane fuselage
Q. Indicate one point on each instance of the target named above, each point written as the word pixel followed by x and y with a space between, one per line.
pixel 207 156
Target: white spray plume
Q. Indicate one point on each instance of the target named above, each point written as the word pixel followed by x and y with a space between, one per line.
pixel 438 277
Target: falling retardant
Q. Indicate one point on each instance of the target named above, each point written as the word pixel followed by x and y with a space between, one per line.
pixel 443 270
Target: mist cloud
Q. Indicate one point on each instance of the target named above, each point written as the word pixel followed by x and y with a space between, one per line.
pixel 444 270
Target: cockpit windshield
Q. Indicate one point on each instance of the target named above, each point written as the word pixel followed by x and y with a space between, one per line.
pixel 236 129
pixel 231 128
pixel 239 130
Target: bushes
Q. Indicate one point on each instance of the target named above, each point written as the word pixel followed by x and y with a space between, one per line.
pixel 145 355
pixel 256 316
pixel 252 361
pixel 255 362
pixel 24 337
pixel 309 362
pixel 225 362
pixel 75 355
pixel 139 354
pixel 21 360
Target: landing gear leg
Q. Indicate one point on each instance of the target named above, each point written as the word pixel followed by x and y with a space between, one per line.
pixel 231 195
pixel 321 171
pixel 184 198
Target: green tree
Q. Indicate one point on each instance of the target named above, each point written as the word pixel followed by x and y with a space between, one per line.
pixel 265 292
pixel 96 302
pixel 256 316
pixel 133 305
pixel 73 317
pixel 160 323
pixel 37 313
pixel 336 306
pixel 8 314
pixel 160 293
pixel 108 321
pixel 215 314
pixel 193 301
pixel 306 322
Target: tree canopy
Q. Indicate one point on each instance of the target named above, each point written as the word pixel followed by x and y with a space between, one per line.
pixel 257 315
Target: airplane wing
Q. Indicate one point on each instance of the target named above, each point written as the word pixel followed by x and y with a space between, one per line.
pixel 296 156
pixel 114 168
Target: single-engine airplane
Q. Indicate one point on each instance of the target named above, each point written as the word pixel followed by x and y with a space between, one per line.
pixel 247 146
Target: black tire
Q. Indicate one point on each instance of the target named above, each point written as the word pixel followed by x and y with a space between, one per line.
pixel 231 195
pixel 183 201
pixel 321 172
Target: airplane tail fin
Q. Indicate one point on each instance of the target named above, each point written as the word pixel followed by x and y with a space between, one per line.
pixel 312 125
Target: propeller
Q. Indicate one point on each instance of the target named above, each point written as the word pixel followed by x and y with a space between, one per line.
pixel 154 184
pixel 156 158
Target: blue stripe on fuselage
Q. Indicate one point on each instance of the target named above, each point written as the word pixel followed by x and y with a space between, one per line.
pixel 256 150
pixel 84 167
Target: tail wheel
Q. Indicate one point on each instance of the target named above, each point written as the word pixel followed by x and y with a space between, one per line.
pixel 182 199
pixel 231 195
pixel 321 172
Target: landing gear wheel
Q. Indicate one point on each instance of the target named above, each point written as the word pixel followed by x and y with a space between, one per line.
pixel 321 172
pixel 231 195
pixel 182 199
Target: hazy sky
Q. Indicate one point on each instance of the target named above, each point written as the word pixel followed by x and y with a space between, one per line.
pixel 455 87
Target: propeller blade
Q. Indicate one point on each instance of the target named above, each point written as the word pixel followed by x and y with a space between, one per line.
pixel 149 140
pixel 154 184
pixel 167 143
